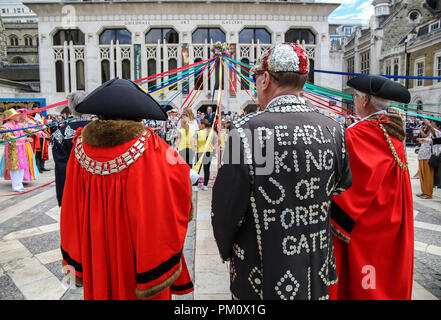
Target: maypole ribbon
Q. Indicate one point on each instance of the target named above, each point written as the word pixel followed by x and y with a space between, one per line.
pixel 37 110
pixel 197 167
pixel 34 132
pixel 188 83
pixel 179 77
pixel 172 71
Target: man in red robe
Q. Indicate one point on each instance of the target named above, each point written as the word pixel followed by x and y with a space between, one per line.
pixel 373 219
pixel 126 202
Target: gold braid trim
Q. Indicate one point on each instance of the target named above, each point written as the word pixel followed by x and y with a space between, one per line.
pixel 392 148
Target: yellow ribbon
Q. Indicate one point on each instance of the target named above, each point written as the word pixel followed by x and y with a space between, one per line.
pixel 197 167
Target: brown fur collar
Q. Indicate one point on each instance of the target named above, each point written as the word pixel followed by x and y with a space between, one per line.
pixel 110 133
pixel 395 127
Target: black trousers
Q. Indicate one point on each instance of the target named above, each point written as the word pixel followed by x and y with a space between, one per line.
pixel 206 162
pixel 188 155
pixel 39 160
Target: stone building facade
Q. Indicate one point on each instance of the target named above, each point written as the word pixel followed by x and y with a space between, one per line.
pixel 391 46
pixel 20 32
pixel 83 44
pixel 3 52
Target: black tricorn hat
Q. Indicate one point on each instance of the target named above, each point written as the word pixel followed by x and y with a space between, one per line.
pixel 381 87
pixel 120 98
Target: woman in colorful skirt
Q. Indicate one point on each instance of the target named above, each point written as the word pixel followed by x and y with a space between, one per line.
pixel 18 162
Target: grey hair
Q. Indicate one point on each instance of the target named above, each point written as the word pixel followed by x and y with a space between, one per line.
pixel 75 99
pixel 379 103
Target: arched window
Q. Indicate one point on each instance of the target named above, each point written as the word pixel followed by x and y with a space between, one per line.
pixel 151 70
pixel 126 74
pixel 79 65
pixel 396 68
pixel 59 76
pixel 18 60
pixel 209 34
pixel 105 71
pixel 196 77
pixel 121 35
pixel 173 64
pixel 162 34
pixel 292 35
pixel 244 83
pixel 76 36
pixel 28 41
pixel 254 35
pixel 13 40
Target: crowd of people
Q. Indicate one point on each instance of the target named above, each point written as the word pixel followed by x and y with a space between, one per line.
pixel 303 206
pixel 24 157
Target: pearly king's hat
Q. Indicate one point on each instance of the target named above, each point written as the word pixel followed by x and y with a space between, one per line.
pixel 284 57
pixel 121 98
pixel 9 113
pixel 381 87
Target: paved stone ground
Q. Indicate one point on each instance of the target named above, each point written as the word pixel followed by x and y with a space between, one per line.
pixel 427 213
pixel 30 259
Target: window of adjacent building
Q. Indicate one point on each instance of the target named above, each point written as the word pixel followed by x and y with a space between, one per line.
pixel 396 68
pixel 350 66
pixel 18 60
pixel 209 34
pixel 434 26
pixel 162 34
pixel 13 40
pixel 423 31
pixel 414 15
pixel 365 62
pixel 76 36
pixel 301 35
pixel 438 68
pixel 419 72
pixel 249 35
pixel 121 35
pixel 28 41
pixel 348 31
pixel 388 68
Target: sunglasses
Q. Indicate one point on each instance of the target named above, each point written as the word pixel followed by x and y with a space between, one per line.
pixel 257 74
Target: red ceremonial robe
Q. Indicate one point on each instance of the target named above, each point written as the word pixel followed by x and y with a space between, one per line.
pixel 41 144
pixel 122 234
pixel 375 215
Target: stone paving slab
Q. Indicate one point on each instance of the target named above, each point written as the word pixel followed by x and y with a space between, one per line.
pixel 30 262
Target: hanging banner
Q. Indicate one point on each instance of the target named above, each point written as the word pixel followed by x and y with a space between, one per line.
pixel 137 60
pixel 232 74
pixel 185 62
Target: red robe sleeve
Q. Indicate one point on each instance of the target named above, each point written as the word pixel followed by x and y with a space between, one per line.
pixel 159 219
